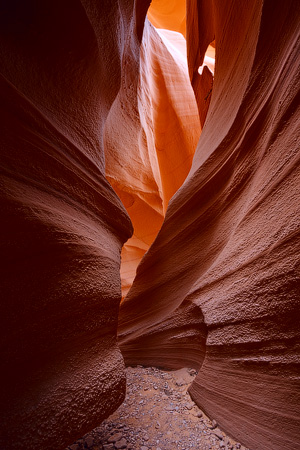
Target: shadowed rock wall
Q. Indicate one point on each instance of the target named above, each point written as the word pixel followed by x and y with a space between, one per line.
pixel 229 244
pixel 62 225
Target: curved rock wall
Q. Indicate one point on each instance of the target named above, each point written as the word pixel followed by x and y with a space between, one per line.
pixel 228 250
pixel 62 226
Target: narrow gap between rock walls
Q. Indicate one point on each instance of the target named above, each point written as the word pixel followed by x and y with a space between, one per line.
pixel 166 161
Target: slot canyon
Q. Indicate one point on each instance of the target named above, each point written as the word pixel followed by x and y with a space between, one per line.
pixel 150 199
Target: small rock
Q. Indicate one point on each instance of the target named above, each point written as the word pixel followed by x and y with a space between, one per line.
pixel 199 414
pixel 189 406
pixel 213 424
pixel 169 408
pixel 89 442
pixel 146 437
pixel 168 392
pixel 115 437
pixel 108 447
pixel 74 447
pixel 157 425
pixel 144 448
pixel 238 446
pixel 221 444
pixel 121 444
pixel 218 433
pixel 227 441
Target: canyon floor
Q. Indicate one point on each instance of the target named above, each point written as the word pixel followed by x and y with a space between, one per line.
pixel 157 414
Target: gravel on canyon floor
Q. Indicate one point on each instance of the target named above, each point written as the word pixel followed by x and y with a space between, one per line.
pixel 157 414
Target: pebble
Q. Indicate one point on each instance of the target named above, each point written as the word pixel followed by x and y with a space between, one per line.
pixel 189 406
pixel 169 408
pixel 89 442
pixel 121 444
pixel 168 392
pixel 218 433
pixel 213 424
pixel 115 437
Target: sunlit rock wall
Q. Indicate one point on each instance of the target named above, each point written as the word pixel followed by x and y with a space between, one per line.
pixel 226 260
pixel 62 225
pixel 150 137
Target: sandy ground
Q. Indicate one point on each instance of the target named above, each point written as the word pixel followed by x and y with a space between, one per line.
pixel 157 414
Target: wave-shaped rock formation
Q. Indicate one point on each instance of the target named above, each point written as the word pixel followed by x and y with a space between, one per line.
pixel 62 225
pixel 219 287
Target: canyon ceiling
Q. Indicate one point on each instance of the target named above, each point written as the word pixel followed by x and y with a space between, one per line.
pixel 112 135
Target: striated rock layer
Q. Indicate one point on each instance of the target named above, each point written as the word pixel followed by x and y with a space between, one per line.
pixel 219 288
pixel 62 225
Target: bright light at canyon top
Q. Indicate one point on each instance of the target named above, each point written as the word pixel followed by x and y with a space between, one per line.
pixel 171 15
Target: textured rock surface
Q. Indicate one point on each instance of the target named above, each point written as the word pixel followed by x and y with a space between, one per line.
pixel 62 225
pixel 226 258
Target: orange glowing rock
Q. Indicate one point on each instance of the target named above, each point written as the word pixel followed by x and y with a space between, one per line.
pixel 149 153
pixel 168 14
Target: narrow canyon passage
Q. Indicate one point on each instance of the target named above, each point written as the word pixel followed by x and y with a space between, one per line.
pixel 118 143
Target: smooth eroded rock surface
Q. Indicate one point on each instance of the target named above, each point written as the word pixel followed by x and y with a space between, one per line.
pixel 226 259
pixel 150 137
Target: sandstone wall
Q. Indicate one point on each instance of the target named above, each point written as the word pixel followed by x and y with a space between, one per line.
pixel 226 260
pixel 62 225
